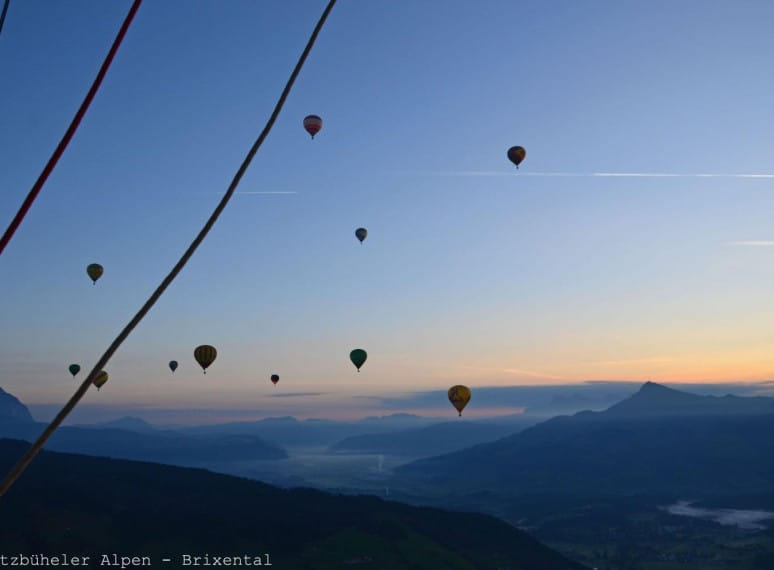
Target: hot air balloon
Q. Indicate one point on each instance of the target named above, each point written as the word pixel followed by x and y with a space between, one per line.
pixel 205 355
pixel 312 124
pixel 173 365
pixel 274 379
pixel 358 357
pixel 94 271
pixel 459 396
pixel 100 380
pixel 516 154
pixel 361 234
pixel 74 369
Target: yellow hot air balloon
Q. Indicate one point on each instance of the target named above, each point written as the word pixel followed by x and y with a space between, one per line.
pixel 100 379
pixel 459 396
pixel 205 355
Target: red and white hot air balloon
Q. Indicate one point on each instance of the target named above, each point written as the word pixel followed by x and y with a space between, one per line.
pixel 312 124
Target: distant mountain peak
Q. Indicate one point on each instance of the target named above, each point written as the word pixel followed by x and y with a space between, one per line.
pixel 12 410
pixel 131 423
pixel 653 398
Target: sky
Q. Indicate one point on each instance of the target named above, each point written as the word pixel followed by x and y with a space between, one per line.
pixel 634 242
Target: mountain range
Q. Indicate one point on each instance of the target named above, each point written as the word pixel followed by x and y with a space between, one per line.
pixel 658 441
pixel 88 506
pixel 139 441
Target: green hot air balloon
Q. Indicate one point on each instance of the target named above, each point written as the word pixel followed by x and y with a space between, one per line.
pixel 94 271
pixel 358 357
pixel 361 234
pixel 74 369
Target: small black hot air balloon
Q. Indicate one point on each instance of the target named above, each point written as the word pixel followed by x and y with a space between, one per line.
pixel 516 154
pixel 74 369
pixel 274 379
pixel 312 124
pixel 205 355
pixel 173 365
pixel 361 234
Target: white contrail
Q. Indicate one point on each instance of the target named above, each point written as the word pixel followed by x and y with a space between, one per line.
pixel 598 174
pixel 255 192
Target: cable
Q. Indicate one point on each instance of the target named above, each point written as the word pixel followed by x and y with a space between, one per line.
pixel 19 468
pixel 70 131
pixel 2 16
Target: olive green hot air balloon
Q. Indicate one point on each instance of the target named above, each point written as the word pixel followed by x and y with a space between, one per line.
pixel 205 355
pixel 358 357
pixel 94 271
pixel 74 369
pixel 361 234
pixel 459 396
pixel 100 379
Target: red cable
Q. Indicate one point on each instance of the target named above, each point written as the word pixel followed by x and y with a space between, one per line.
pixel 70 131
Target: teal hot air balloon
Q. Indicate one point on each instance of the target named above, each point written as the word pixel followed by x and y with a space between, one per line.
pixel 358 357
pixel 74 369
pixel 361 234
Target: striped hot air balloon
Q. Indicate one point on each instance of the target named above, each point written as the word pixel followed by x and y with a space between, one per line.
pixel 205 355
pixel 100 379
pixel 312 124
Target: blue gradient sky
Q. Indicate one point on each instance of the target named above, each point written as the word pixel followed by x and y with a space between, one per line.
pixel 472 272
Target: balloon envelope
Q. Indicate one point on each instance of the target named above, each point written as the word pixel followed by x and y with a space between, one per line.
pixel 205 355
pixel 74 369
pixel 274 379
pixel 516 154
pixel 312 124
pixel 459 396
pixel 361 234
pixel 173 365
pixel 358 357
pixel 100 379
pixel 94 271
